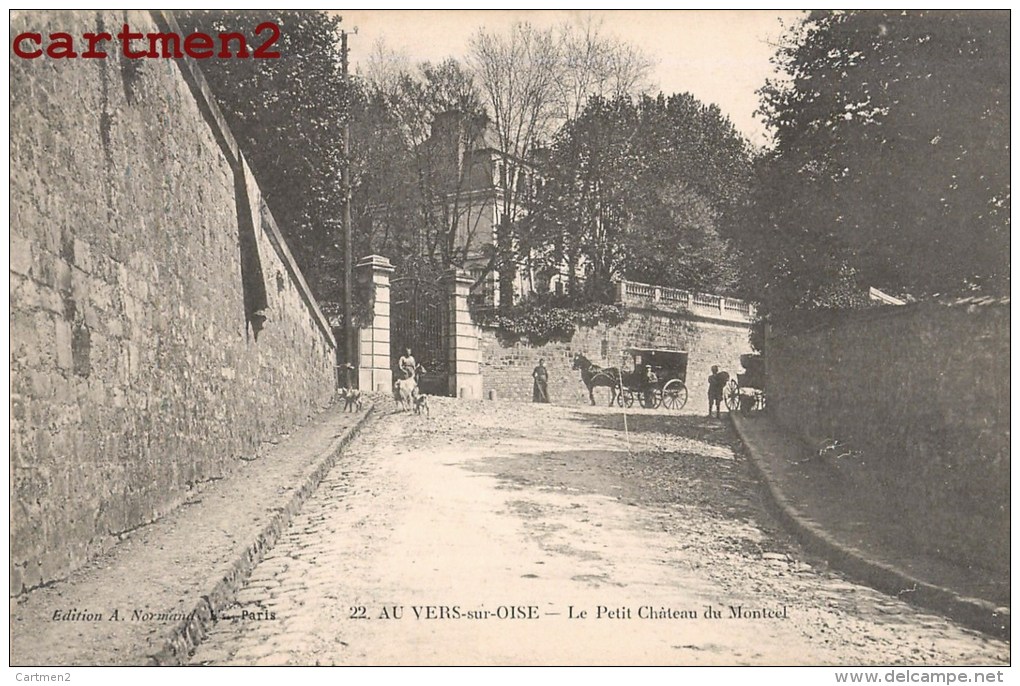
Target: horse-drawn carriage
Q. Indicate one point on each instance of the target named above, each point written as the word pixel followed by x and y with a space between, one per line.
pixel 658 377
pixel 747 391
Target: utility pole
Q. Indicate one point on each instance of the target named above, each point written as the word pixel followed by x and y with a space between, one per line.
pixel 345 180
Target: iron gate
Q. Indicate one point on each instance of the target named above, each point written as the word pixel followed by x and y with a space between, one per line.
pixel 418 315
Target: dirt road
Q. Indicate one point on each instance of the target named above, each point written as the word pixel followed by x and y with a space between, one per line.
pixel 517 534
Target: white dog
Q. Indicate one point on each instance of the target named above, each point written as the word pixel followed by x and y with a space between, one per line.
pixel 404 393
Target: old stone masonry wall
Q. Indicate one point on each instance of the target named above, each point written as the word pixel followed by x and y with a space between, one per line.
pixel 923 392
pixel 506 366
pixel 136 372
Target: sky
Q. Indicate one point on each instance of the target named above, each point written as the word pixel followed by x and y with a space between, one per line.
pixel 720 56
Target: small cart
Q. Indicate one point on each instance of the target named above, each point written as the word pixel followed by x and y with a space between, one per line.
pixel 747 391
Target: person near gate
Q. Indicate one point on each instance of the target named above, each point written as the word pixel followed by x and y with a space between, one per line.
pixel 540 392
pixel 407 365
pixel 347 375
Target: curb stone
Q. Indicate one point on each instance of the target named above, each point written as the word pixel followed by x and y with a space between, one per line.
pixel 185 637
pixel 973 612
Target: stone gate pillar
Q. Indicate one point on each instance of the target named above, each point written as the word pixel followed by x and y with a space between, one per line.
pixel 465 381
pixel 374 372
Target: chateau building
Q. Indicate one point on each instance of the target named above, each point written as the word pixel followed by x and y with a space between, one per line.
pixel 473 186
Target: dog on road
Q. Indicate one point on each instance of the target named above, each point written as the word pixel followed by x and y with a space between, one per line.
pixel 421 404
pixel 352 399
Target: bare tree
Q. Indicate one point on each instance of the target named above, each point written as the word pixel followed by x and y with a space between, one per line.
pixel 533 80
pixel 419 208
pixel 517 73
pixel 597 65
pixel 384 67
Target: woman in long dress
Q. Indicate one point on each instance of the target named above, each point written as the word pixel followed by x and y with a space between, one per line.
pixel 540 393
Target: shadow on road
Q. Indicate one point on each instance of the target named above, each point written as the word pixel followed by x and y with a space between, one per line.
pixel 716 488
pixel 710 430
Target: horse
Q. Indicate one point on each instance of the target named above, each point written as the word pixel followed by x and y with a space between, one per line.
pixel 593 375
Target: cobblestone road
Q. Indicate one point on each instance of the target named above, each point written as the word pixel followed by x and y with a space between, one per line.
pixel 512 509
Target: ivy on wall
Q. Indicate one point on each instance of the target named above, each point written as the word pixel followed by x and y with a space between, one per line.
pixel 543 319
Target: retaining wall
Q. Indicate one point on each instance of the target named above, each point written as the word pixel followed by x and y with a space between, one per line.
pixel 923 391
pixel 506 366
pixel 160 330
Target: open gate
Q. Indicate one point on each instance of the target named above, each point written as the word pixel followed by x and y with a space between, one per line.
pixel 418 315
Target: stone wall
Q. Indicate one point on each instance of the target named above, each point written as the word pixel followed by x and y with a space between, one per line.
pixel 143 262
pixel 506 367
pixel 923 391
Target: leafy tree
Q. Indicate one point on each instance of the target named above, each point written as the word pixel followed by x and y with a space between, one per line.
pixel 583 212
pixel 684 139
pixel 386 204
pixel 288 117
pixel 891 159
pixel 644 190
pixel 677 242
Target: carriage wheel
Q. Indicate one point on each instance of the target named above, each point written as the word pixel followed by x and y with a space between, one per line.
pixel 650 399
pixel 625 397
pixel 674 395
pixel 732 396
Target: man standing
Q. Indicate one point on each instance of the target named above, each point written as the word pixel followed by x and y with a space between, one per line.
pixel 716 383
pixel 347 375
pixel 540 393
